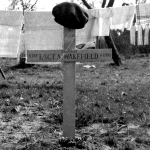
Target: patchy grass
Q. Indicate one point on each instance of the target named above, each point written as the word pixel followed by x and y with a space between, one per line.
pixel 112 106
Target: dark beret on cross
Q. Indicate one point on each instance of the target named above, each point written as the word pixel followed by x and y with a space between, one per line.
pixel 70 15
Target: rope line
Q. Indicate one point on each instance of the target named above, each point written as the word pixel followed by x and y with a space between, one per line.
pixel 67 48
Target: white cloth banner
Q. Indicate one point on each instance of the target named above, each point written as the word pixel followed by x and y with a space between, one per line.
pixel 42 32
pixel 10 32
pixel 122 17
pixel 98 25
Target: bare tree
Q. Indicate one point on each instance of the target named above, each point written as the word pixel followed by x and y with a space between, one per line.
pixel 29 5
pixel 140 1
pixel 109 40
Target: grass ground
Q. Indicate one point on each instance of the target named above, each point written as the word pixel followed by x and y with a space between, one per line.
pixel 112 106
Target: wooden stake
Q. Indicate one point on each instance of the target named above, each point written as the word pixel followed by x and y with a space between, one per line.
pixel 2 73
pixel 69 87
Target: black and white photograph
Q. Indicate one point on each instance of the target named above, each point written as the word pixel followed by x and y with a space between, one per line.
pixel 74 75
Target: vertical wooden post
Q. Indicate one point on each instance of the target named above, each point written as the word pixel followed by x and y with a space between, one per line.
pixel 69 87
pixel 97 42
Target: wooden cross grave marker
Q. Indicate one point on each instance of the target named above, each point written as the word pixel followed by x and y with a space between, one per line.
pixel 69 58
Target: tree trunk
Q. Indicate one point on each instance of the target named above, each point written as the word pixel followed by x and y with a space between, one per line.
pixel 104 3
pixel 110 43
pixel 111 3
pixel 115 54
pixel 108 39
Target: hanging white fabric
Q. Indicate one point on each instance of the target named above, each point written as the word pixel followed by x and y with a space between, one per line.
pixel 132 35
pixel 10 32
pixel 101 26
pixel 122 17
pixel 98 25
pixel 42 32
pixel 140 35
pixel 146 35
pixel 143 13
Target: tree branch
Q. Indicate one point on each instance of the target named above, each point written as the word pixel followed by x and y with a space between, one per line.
pixel 104 3
pixel 86 4
pixel 28 2
pixel 111 3
pixel 22 4
pixel 13 4
pixel 27 5
pixel 32 7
